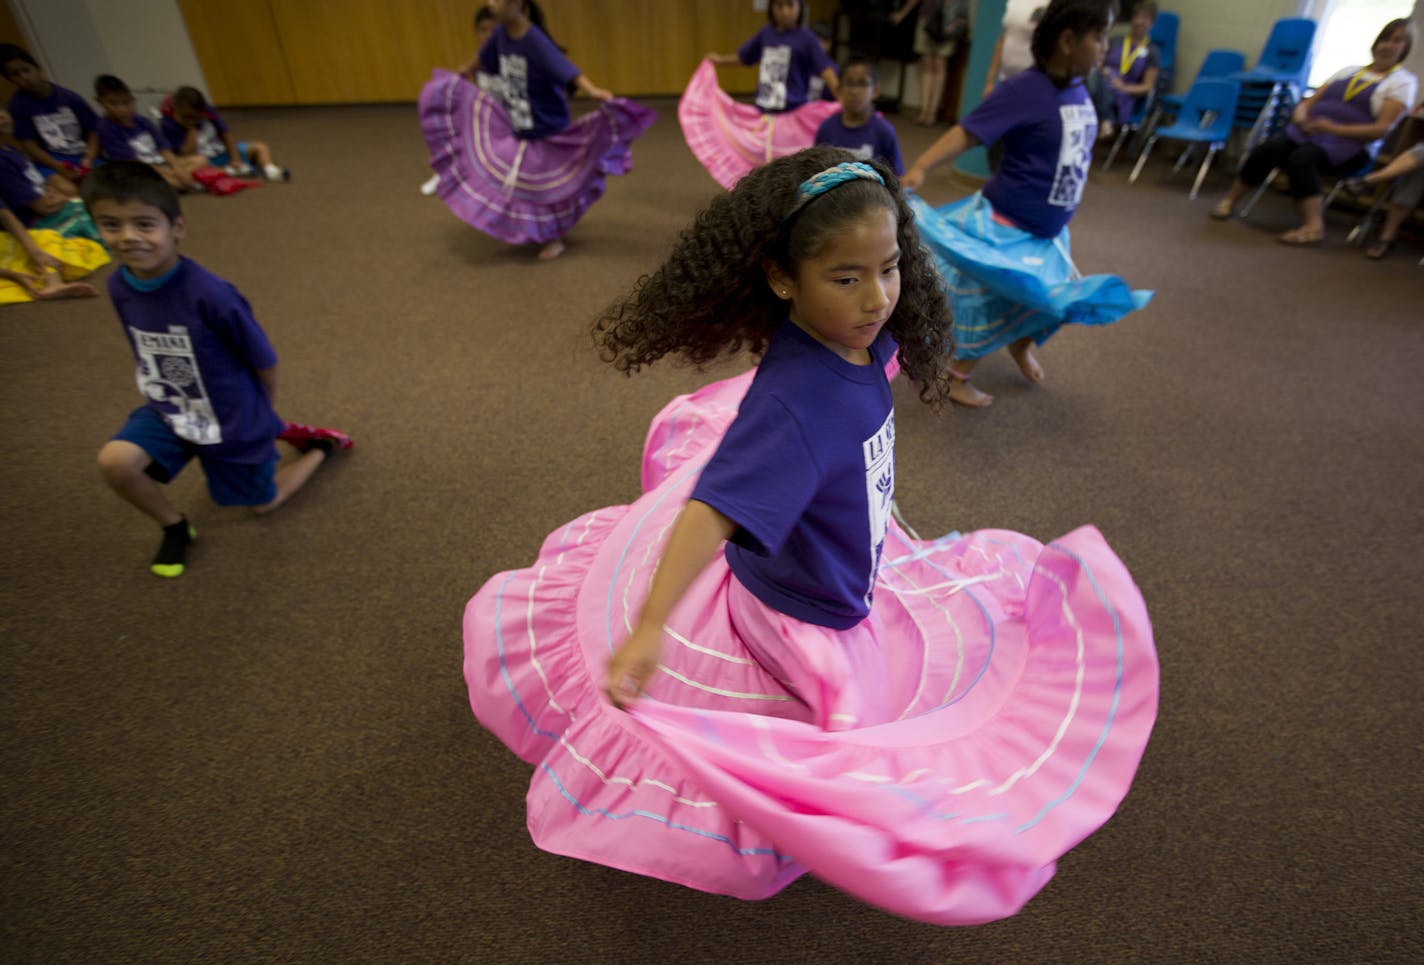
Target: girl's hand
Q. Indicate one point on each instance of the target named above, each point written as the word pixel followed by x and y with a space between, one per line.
pixel 633 664
pixel 912 180
pixel 598 93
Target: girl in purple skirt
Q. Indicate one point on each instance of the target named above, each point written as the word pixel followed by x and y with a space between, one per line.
pixel 511 162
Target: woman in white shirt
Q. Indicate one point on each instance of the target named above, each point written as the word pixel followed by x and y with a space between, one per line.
pixel 1011 53
pixel 1335 131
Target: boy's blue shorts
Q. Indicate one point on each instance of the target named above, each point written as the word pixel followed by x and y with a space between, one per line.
pixel 224 159
pixel 229 483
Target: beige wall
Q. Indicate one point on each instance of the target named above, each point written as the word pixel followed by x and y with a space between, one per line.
pixel 351 51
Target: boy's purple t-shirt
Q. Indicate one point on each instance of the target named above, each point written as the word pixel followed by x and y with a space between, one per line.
pixel 873 139
pixel 60 122
pixel 788 60
pixel 198 350
pixel 209 141
pixel 807 472
pixel 532 77
pixel 141 142
pixel 1048 134
pixel 21 183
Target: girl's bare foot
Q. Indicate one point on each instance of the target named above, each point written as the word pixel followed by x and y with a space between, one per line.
pixel 552 250
pixel 1224 209
pixel 56 287
pixel 968 395
pixel 1028 362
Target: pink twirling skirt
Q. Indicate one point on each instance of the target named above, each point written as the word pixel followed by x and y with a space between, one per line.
pixel 936 760
pixel 731 138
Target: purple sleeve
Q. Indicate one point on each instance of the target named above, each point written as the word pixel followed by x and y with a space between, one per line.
pixel 820 60
pixel 159 140
pixel 488 57
pixel 230 318
pixel 750 52
pixel 997 114
pixel 556 64
pixel 88 120
pixel 890 149
pixel 24 120
pixel 217 120
pixel 173 134
pixel 762 476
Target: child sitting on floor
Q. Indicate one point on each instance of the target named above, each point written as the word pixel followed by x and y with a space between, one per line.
pixel 125 135
pixel 54 125
pixel 192 126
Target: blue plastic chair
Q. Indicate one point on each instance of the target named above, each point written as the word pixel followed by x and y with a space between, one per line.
pixel 1164 35
pixel 1206 118
pixel 1217 63
pixel 1286 57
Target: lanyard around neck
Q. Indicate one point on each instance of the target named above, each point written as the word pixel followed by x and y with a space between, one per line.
pixel 1129 54
pixel 1357 83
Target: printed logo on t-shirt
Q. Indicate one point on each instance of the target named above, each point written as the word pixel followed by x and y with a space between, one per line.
pixel 771 82
pixel 168 374
pixel 60 131
pixel 33 175
pixel 514 72
pixel 144 149
pixel 879 452
pixel 207 139
pixel 863 153
pixel 1075 154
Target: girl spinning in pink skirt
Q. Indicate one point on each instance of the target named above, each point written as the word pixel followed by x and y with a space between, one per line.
pixel 731 138
pixel 752 672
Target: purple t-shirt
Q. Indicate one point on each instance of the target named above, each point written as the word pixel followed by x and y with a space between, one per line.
pixel 873 139
pixel 21 183
pixel 1048 133
pixel 532 77
pixel 1140 61
pixel 198 350
pixel 788 60
pixel 60 122
pixel 141 142
pixel 209 141
pixel 807 472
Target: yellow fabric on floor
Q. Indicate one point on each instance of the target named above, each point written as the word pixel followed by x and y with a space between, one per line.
pixel 77 258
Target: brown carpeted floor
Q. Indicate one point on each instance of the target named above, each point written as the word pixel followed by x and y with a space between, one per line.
pixel 273 756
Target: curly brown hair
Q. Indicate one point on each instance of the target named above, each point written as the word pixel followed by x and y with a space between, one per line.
pixel 710 299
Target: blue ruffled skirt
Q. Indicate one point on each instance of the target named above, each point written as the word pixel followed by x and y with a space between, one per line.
pixel 1005 284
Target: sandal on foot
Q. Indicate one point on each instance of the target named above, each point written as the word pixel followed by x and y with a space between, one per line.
pixel 1379 249
pixel 1223 211
pixel 1298 239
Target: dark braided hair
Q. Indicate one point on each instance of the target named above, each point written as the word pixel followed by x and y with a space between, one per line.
pixel 710 299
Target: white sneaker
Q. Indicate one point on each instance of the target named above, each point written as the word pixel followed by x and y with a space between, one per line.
pixel 431 186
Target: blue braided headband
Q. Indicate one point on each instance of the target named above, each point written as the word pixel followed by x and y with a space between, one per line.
pixel 818 184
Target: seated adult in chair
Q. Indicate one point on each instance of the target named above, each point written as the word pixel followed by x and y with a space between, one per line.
pixel 1333 132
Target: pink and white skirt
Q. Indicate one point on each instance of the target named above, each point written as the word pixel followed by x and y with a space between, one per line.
pixel 935 760
pixel 731 138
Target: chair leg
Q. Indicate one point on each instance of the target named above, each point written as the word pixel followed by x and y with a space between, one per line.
pixel 1116 146
pixel 1182 158
pixel 1256 196
pixel 1201 172
pixel 1141 159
